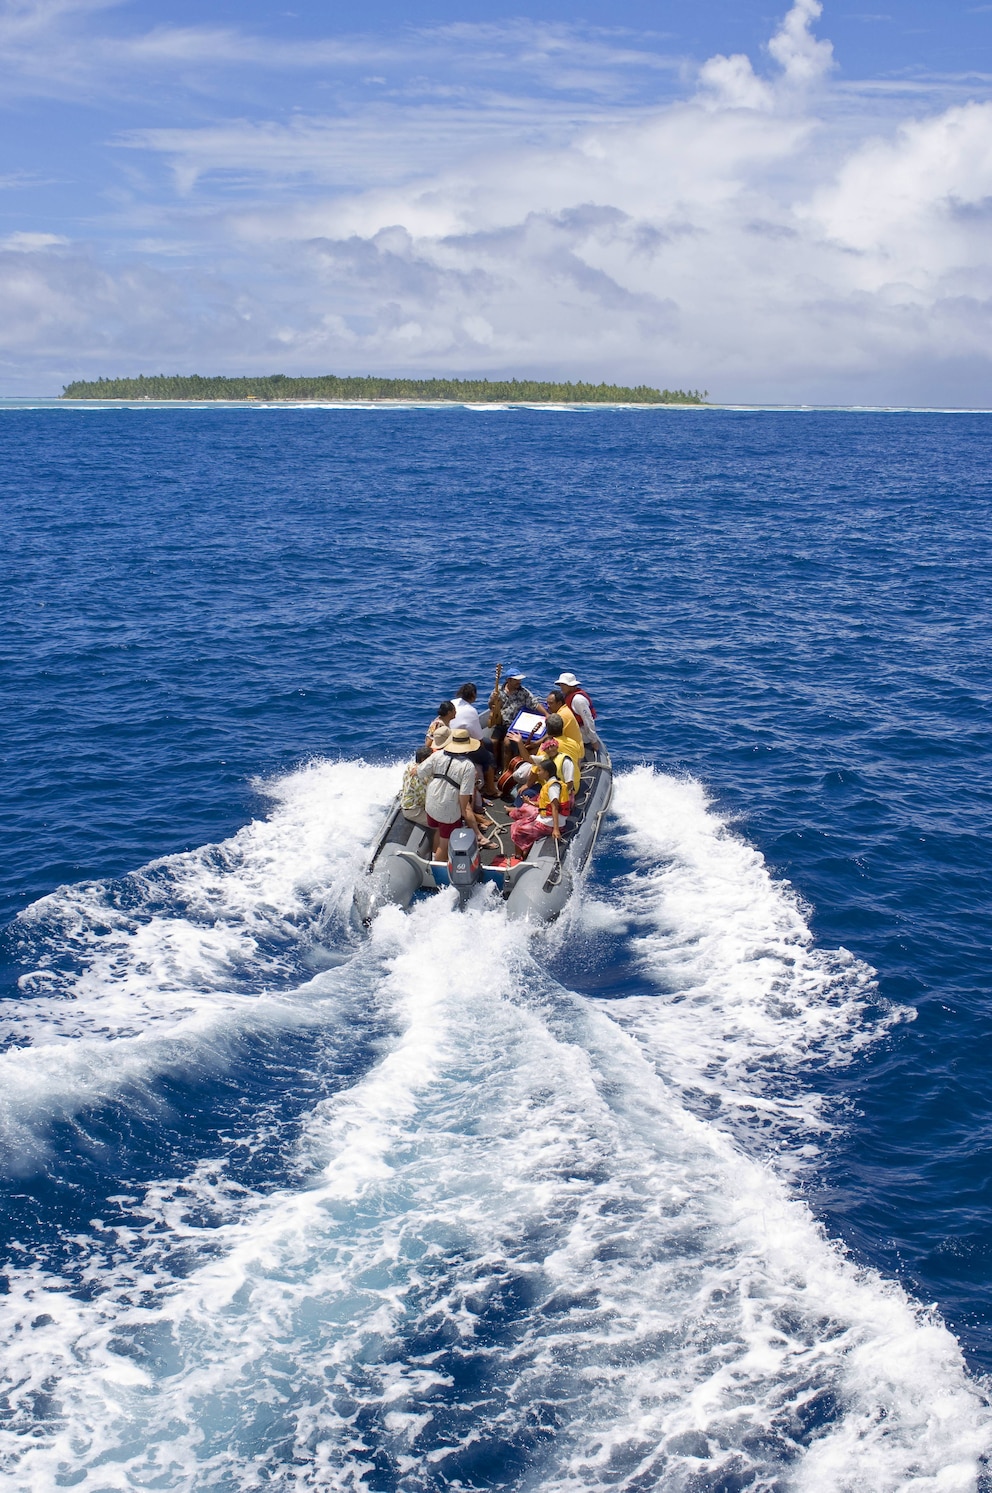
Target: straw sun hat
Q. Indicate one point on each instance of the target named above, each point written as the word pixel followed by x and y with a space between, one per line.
pixel 460 740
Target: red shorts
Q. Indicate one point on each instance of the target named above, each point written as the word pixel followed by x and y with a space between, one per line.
pixel 445 829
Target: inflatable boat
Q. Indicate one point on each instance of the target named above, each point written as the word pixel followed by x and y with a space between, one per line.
pixel 536 886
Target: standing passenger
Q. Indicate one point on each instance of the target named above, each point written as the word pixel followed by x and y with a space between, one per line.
pixel 450 778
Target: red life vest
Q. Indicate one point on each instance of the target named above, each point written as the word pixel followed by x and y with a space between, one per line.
pixel 570 695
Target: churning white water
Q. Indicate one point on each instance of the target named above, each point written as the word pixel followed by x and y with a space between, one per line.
pixel 516 1236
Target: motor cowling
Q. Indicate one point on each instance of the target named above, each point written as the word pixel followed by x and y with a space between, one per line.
pixel 464 868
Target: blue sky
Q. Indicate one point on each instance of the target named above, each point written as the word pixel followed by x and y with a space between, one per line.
pixel 773 203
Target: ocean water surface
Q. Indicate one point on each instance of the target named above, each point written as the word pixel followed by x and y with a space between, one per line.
pixel 691 1192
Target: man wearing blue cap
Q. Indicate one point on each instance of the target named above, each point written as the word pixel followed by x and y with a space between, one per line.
pixel 507 702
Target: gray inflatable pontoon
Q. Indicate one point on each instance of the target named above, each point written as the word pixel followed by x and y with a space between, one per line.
pixel 400 865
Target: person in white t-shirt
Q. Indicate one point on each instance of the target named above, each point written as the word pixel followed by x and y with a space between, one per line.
pixel 475 724
pixel 466 713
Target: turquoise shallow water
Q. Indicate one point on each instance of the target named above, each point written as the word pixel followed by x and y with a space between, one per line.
pixel 449 1208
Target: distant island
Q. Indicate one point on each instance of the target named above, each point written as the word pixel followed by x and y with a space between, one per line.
pixel 279 386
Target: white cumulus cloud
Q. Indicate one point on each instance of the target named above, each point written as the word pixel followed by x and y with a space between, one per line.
pixel 768 235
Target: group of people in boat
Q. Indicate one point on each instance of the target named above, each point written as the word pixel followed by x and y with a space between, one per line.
pixel 471 756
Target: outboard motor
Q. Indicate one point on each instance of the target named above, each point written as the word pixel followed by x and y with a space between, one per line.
pixel 463 860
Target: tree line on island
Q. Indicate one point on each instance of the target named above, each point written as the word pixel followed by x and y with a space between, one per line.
pixel 280 386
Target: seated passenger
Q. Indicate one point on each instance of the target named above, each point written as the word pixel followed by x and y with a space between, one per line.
pixel 525 783
pixel 571 728
pixel 506 703
pixel 450 777
pixel 465 712
pixel 532 822
pixel 562 748
pixel 413 794
pixel 445 715
pixel 580 704
pixel 568 756
pixel 466 715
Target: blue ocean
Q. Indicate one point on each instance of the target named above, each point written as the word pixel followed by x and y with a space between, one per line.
pixel 691 1191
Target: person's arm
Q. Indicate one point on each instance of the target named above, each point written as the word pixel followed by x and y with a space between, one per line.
pixel 426 769
pixel 556 831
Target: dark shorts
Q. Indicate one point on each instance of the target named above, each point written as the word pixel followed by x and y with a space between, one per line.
pixel 482 757
pixel 446 829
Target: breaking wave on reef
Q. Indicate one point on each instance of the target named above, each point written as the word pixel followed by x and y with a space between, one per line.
pixel 406 1211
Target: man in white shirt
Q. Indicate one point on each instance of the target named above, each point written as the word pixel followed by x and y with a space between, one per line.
pixel 466 714
pixel 475 724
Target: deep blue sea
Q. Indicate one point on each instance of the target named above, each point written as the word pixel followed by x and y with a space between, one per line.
pixel 692 1192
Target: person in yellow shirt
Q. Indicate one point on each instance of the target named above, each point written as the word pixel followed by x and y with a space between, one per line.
pixel 571 730
pixel 566 751
pixel 562 749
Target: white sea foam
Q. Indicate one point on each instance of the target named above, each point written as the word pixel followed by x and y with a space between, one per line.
pixel 195 949
pixel 520 1238
pixel 516 1237
pixel 750 1003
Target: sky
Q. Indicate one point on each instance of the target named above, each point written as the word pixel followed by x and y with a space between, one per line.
pixel 772 204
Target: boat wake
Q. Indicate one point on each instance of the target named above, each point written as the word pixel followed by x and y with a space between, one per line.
pixel 413 1212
